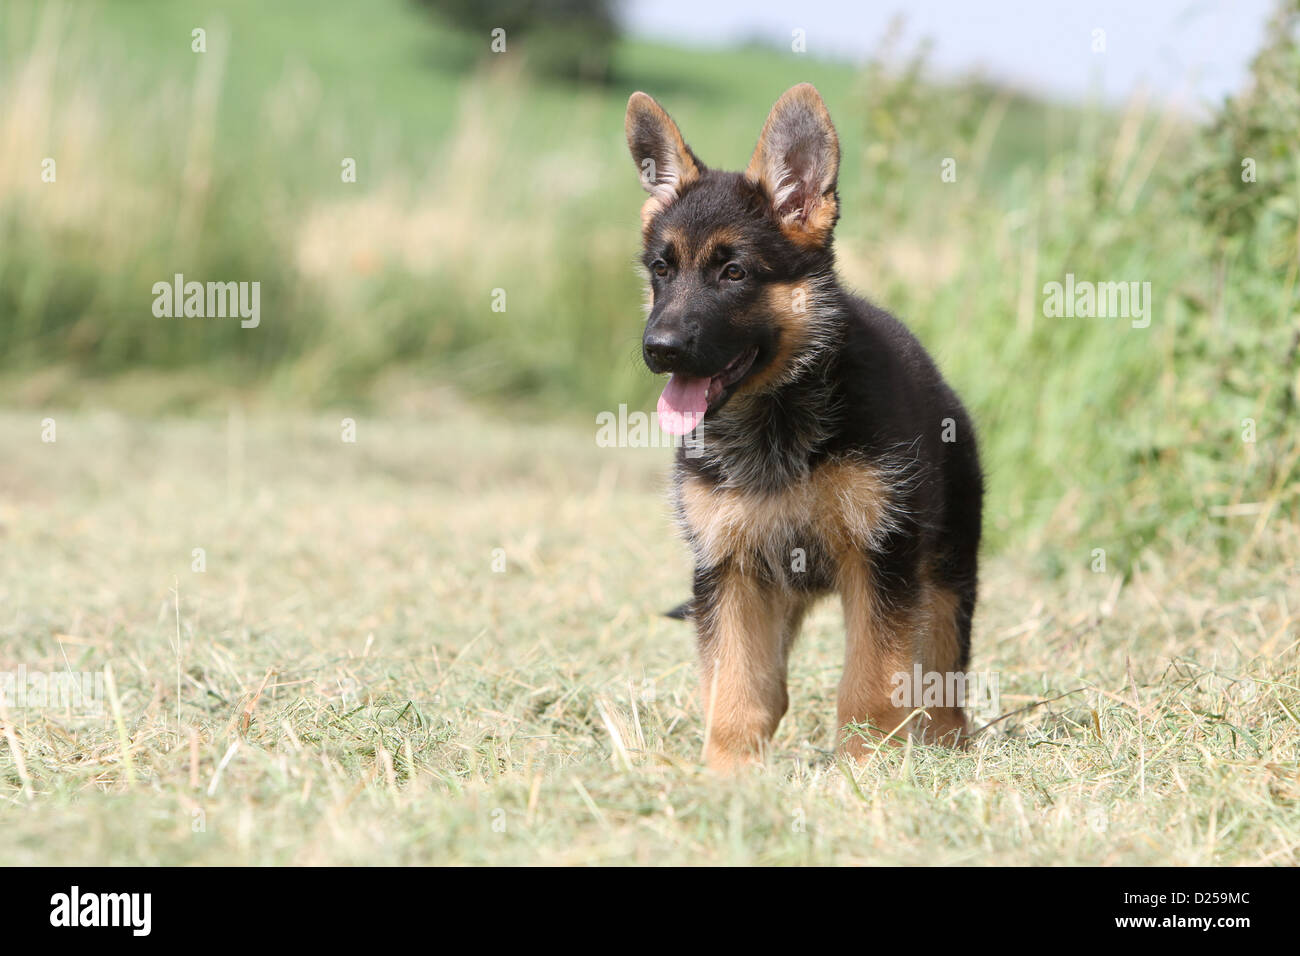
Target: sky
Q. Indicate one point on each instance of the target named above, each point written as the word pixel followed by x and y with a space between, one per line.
pixel 1190 52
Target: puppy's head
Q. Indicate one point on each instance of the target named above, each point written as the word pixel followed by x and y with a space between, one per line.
pixel 730 256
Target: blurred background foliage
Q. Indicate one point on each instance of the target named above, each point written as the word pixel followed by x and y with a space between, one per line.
pixel 479 171
pixel 570 39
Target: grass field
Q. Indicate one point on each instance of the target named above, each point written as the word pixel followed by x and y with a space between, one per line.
pixel 358 685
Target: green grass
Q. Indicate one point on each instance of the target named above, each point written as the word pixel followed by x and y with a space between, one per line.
pixel 418 707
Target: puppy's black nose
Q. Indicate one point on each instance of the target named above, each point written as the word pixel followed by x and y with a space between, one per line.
pixel 665 350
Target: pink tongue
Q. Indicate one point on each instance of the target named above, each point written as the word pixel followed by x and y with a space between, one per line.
pixel 683 404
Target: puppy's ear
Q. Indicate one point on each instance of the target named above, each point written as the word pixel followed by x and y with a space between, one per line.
pixel 796 162
pixel 666 164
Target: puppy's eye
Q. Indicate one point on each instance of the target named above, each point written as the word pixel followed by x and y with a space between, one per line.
pixel 733 271
pixel 659 268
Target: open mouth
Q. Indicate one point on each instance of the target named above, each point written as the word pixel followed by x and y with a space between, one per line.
pixel 685 399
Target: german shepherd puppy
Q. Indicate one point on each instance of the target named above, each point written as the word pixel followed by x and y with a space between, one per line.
pixel 826 452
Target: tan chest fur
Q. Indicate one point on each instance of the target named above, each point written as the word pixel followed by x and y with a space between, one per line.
pixel 842 507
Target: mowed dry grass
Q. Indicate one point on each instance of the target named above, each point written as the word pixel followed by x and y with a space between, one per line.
pixel 357 684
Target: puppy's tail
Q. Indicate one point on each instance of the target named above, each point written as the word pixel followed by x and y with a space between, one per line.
pixel 681 612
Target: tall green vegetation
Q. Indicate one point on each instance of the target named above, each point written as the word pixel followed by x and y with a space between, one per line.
pixel 480 172
pixel 571 39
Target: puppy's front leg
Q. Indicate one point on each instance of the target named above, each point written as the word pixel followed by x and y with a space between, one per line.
pixel 742 626
pixel 882 647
